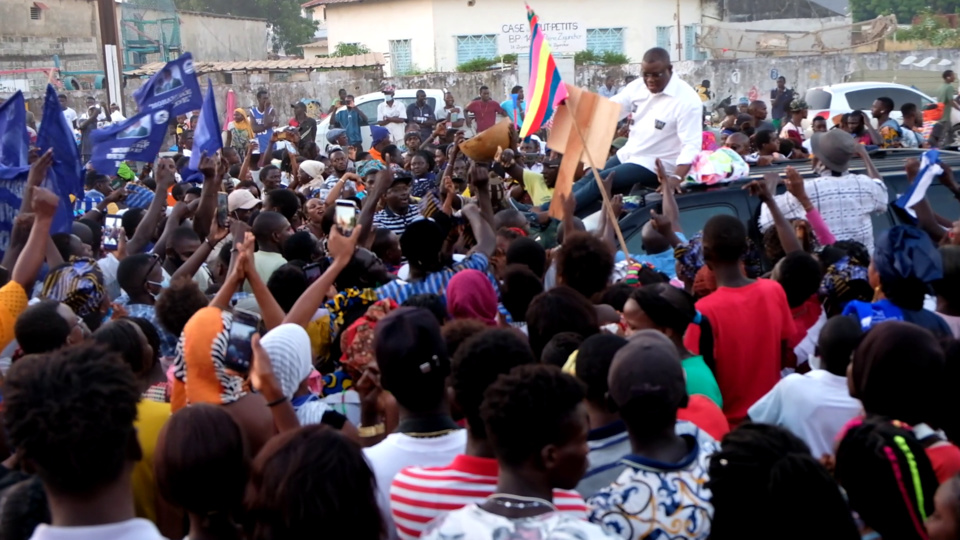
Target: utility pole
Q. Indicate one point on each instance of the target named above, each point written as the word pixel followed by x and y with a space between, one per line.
pixel 679 35
pixel 107 12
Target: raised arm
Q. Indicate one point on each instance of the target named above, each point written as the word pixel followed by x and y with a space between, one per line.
pixel 141 237
pixel 190 267
pixel 207 211
pixel 797 187
pixel 379 188
pixel 245 166
pixel 482 231
pixel 670 184
pixel 25 270
pixel 765 190
pixel 342 249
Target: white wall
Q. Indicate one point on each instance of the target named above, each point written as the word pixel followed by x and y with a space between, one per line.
pixel 433 25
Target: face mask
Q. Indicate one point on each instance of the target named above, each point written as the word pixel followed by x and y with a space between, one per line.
pixel 163 285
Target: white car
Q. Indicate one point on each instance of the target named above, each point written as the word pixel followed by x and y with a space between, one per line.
pixel 368 103
pixel 859 96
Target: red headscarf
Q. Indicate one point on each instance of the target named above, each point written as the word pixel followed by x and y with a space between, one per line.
pixel 470 295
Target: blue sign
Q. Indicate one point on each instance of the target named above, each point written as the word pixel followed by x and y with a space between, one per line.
pixel 175 87
pixel 137 138
pixel 774 74
pixel 14 146
pixel 65 176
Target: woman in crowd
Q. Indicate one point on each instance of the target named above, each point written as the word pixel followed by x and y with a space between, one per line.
pixel 239 132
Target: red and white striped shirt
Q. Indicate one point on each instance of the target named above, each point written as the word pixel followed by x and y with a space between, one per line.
pixel 418 495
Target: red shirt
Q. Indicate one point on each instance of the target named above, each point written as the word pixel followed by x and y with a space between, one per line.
pixel 485 113
pixel 750 325
pixel 705 414
pixel 945 458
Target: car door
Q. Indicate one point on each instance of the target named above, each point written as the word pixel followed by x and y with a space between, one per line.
pixel 368 108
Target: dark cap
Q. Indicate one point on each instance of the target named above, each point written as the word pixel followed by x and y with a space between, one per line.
pixel 647 368
pixel 410 350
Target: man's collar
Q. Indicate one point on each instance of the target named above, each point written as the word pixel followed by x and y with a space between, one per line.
pixel 672 86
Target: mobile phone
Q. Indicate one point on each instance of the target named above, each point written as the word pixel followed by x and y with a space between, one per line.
pixel 282 136
pixel 222 209
pixel 313 271
pixel 346 216
pixel 112 229
pixel 239 349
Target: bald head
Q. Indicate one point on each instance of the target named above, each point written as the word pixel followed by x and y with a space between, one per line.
pixel 657 54
pixel 739 143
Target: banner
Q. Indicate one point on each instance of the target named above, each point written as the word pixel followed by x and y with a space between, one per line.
pixel 14 146
pixel 174 87
pixel 65 176
pixel 206 136
pixel 137 138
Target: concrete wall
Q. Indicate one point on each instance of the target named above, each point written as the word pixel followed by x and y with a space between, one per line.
pixel 433 25
pixel 221 38
pixel 798 36
pixel 67 29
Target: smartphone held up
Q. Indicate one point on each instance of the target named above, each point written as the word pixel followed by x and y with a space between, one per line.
pixel 345 217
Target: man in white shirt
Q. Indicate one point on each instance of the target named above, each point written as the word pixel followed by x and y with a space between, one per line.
pixel 68 113
pixel 845 200
pixel 115 115
pixel 667 125
pixel 608 89
pixel 816 405
pixel 414 366
pixel 85 459
pixel 392 115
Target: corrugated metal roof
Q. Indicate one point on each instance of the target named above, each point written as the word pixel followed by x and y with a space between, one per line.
pixel 343 62
pixel 313 3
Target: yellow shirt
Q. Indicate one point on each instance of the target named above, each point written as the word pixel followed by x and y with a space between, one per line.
pixel 13 301
pixel 537 188
pixel 151 416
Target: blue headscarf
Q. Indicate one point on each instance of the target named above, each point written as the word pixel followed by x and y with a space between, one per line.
pixel 904 252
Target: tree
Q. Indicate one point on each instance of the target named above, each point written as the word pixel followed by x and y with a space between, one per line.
pixel 905 10
pixel 350 49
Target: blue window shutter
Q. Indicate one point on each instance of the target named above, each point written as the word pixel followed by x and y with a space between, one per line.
pixel 663 37
pixel 401 56
pixel 473 47
pixel 601 40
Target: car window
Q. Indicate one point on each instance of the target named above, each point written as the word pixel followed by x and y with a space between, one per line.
pixel 411 100
pixel 817 99
pixel 862 100
pixel 902 96
pixel 369 108
pixel 692 219
pixel 942 201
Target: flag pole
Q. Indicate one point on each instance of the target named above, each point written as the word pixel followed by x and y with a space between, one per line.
pixel 603 190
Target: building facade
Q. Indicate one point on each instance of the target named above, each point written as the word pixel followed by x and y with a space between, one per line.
pixel 439 35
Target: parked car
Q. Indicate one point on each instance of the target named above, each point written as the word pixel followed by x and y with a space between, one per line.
pixel 700 204
pixel 845 97
pixel 368 103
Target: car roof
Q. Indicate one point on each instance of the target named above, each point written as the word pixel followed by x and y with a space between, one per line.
pixel 405 93
pixel 867 85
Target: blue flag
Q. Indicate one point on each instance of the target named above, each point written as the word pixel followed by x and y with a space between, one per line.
pixel 929 169
pixel 14 146
pixel 65 177
pixel 174 87
pixel 206 136
pixel 137 138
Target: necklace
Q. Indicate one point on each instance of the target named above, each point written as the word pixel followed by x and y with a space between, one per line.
pixel 519 502
pixel 429 434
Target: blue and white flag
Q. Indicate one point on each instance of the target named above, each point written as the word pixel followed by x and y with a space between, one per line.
pixel 929 169
pixel 206 136
pixel 174 87
pixel 65 176
pixel 137 138
pixel 14 167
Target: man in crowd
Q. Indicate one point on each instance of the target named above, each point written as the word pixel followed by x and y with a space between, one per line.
pixel 306 125
pixel 780 98
pixel 608 89
pixel 484 111
pixel 667 125
pixel 513 105
pixel 392 115
pixel 758 110
pixel 263 119
pixel 421 114
pixel 350 119
pixel 68 113
pixel 86 124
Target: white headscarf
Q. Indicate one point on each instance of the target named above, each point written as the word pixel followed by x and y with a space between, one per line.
pixel 288 346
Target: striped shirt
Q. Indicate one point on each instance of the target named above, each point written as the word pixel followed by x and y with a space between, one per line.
pixel 388 219
pixel 420 494
pixel 435 283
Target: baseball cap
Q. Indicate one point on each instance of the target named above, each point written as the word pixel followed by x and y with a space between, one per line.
pixel 389 90
pixel 647 369
pixel 378 134
pixel 410 350
pixel 834 149
pixel 744 101
pixel 619 142
pixel 241 199
pixel 335 134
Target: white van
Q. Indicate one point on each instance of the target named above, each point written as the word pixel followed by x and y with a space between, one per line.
pixel 368 103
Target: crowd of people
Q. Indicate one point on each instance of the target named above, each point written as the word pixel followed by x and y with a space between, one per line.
pixel 402 342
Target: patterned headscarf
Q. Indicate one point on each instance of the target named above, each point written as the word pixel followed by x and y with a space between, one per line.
pixel 844 281
pixel 690 257
pixel 198 368
pixel 357 341
pixel 78 284
pixel 369 166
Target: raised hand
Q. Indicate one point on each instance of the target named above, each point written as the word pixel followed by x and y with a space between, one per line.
pixel 38 171
pixel 342 247
pixel 44 202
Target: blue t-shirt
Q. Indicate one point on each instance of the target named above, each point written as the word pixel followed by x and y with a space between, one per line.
pixel 349 119
pixel 663 261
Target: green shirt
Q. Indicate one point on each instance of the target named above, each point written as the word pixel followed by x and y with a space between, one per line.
pixel 945 95
pixel 700 379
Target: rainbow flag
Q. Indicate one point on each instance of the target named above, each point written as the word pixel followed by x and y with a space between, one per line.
pixel 546 89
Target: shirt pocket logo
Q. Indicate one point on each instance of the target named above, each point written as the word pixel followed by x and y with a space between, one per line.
pixel 659 124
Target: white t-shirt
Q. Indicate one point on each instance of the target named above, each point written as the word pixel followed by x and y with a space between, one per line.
pixel 474 523
pixel 132 529
pixel 398 451
pixel 814 406
pixel 70 115
pixel 396 129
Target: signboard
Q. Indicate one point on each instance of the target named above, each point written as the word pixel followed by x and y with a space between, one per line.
pixel 564 37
